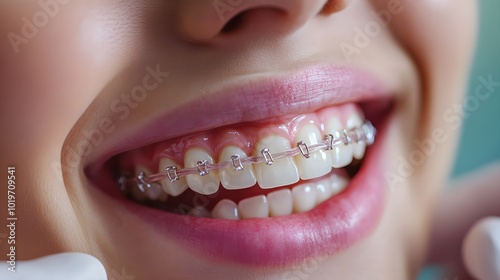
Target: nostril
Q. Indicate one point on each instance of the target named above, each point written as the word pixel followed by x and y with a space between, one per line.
pixel 234 24
pixel 256 17
pixel 332 6
pixel 238 21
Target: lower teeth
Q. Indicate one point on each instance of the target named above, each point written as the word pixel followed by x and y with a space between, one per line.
pixel 301 198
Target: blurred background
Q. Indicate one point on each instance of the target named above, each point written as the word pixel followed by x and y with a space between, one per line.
pixel 481 126
pixel 480 140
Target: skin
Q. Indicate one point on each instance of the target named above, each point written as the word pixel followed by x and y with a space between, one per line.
pixel 62 81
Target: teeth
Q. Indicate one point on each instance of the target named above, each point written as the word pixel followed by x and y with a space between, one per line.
pixel 327 188
pixel 232 179
pixel 319 163
pixel 208 184
pixel 254 207
pixel 358 148
pixel 282 172
pixel 304 197
pixel 152 193
pixel 199 212
pixel 226 209
pixel 323 191
pixel 280 203
pixel 341 154
pixel 274 172
pixel 338 183
pixel 172 188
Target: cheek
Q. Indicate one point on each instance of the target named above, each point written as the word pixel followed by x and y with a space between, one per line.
pixel 56 67
pixel 439 36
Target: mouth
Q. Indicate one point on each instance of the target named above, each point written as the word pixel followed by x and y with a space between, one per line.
pixel 258 186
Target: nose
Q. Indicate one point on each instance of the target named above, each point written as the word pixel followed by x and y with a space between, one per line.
pixel 206 20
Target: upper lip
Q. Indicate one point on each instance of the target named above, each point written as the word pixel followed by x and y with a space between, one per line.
pixel 268 98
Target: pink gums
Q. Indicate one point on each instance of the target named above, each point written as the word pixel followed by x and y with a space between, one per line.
pixel 243 136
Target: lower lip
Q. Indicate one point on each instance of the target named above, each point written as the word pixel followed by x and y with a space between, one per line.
pixel 331 227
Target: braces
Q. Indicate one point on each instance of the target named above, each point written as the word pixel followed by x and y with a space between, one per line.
pixel 364 133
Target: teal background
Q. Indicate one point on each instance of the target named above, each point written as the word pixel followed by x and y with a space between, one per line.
pixel 480 139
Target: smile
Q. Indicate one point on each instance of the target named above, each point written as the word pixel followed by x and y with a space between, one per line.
pixel 282 185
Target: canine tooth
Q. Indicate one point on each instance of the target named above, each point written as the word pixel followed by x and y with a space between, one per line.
pixel 226 209
pixel 208 184
pixel 198 211
pixel 341 154
pixel 319 163
pixel 282 172
pixel 172 188
pixel 358 148
pixel 280 203
pixel 232 179
pixel 304 197
pixel 254 207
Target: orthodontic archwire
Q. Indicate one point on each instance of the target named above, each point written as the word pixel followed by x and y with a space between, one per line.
pixel 363 133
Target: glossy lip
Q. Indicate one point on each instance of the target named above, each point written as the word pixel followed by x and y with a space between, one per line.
pixel 335 225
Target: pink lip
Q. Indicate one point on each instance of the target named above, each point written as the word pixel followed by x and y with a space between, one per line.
pixel 273 242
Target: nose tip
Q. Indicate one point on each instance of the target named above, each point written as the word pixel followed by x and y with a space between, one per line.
pixel 203 21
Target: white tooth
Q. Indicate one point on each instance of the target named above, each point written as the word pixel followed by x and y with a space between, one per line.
pixel 172 188
pixel 282 172
pixel 232 179
pixel 254 207
pixel 358 148
pixel 323 191
pixel 338 183
pixel 319 163
pixel 199 212
pixel 280 203
pixel 327 188
pixel 208 184
pixel 304 198
pixel 226 209
pixel 341 154
pixel 135 192
pixel 154 192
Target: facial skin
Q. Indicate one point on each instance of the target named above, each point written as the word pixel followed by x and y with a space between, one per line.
pixel 61 83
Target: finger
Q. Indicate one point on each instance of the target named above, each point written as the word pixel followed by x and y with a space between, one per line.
pixel 470 198
pixel 64 266
pixel 481 249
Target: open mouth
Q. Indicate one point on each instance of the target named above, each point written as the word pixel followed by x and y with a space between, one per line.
pixel 298 183
pixel 251 170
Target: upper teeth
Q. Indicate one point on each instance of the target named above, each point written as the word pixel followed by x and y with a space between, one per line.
pixel 236 178
pixel 274 162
